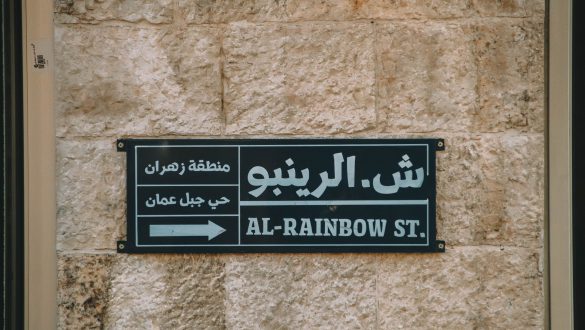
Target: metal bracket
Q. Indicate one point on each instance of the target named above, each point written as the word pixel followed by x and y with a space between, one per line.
pixel 121 247
pixel 440 144
pixel 121 145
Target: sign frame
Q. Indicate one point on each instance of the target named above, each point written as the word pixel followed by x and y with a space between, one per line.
pixel 135 231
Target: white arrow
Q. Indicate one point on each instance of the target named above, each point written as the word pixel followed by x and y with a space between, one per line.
pixel 211 230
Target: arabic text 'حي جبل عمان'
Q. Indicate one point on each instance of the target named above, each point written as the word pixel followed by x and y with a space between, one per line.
pixel 185 201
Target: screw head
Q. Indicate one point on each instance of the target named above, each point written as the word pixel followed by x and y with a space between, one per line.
pixel 120 144
pixel 441 246
pixel 440 144
pixel 121 246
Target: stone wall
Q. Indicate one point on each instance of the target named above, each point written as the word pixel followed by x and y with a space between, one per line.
pixel 468 71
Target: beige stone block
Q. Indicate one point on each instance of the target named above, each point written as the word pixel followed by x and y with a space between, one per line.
pixel 167 292
pixel 298 10
pixel 507 8
pixel 254 77
pixel 226 11
pixel 141 292
pixel 316 78
pixel 417 9
pixel 299 291
pixel 91 11
pixel 115 81
pixel 490 190
pixel 464 288
pixel 83 291
pixel 91 195
pixel 510 57
pixel 303 10
pixel 426 77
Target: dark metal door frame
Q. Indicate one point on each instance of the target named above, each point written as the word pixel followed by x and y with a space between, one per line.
pixel 578 141
pixel 12 230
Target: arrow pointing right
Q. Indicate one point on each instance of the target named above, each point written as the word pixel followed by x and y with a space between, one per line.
pixel 211 230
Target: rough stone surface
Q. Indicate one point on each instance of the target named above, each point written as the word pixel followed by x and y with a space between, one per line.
pixel 468 71
pixel 83 291
pixel 142 81
pixel 303 79
pixel 91 11
pixel 377 9
pixel 91 194
pixel 465 288
pixel 503 181
pixel 167 292
pixel 426 77
pixel 301 291
pixel 510 57
pixel 505 8
pixel 225 11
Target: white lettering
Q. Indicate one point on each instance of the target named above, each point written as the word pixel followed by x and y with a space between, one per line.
pixel 306 228
pixel 330 227
pixel 289 227
pixel 375 228
pixel 399 232
pixel 357 231
pixel 412 224
pixel 344 227
pixel 265 230
pixel 253 227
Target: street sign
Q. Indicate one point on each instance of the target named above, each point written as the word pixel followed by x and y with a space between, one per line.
pixel 306 195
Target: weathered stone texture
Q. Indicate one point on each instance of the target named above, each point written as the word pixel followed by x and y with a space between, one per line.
pixel 301 292
pixel 377 9
pixel 299 79
pixel 127 80
pixel 426 77
pixel 468 71
pixel 166 292
pixel 465 288
pixel 91 11
pixel 490 190
pixel 225 11
pixel 90 194
pixel 83 291
pixel 510 57
pixel 508 8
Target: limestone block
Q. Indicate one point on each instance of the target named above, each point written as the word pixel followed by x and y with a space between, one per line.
pixel 490 190
pixel 114 81
pixel 299 10
pixel 83 291
pixel 313 78
pixel 226 11
pixel 91 11
pixel 376 9
pixel 166 292
pixel 510 57
pixel 507 8
pixel 400 9
pixel 464 288
pixel 254 84
pixel 91 195
pixel 301 291
pixel 141 292
pixel 426 77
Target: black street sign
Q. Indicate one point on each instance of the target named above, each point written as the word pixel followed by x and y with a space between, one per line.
pixel 359 195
